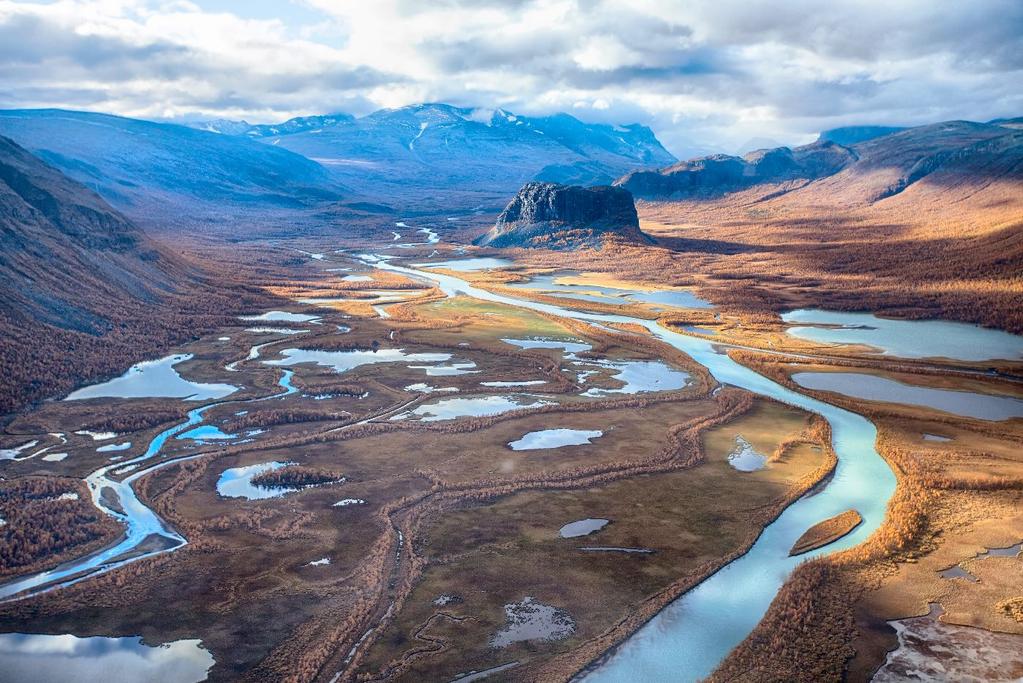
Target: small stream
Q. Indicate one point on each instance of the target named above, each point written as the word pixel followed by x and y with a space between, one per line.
pixel 145 533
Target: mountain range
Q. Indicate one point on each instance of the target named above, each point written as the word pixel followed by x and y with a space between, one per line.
pixel 872 164
pixel 419 157
pixel 430 148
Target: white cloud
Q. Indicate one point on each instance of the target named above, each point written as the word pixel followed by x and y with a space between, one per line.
pixel 709 72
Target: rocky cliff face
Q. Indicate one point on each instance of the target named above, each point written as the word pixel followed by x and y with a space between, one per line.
pixel 565 216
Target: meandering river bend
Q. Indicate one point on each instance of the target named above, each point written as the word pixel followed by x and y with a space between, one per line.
pixel 688 638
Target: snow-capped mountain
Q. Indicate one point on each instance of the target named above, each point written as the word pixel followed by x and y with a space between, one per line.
pixel 429 148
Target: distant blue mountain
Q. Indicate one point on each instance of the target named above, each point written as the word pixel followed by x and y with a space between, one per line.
pixel 426 157
pixel 429 148
pixel 165 172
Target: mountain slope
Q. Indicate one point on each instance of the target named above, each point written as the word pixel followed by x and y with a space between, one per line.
pixel 66 253
pixel 424 149
pixel 85 291
pixel 850 135
pixel 878 167
pixel 721 173
pixel 927 221
pixel 161 172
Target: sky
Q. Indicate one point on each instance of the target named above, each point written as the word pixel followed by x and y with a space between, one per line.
pixel 705 75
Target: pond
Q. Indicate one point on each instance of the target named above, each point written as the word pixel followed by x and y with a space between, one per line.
pixel 236 482
pixel 906 338
pixel 114 447
pixel 745 458
pixel 583 527
pixel 556 285
pixel 343 361
pixel 569 346
pixel 273 330
pixel 554 438
pixel 32 658
pixel 449 370
pixel 206 433
pixel 154 379
pixel 281 316
pixel 530 619
pixel 637 376
pixel 467 265
pixel 874 388
pixel 480 406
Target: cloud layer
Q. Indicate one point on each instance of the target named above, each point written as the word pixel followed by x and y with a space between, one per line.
pixel 703 74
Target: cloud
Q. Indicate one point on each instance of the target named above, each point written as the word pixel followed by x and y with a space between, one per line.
pixel 704 73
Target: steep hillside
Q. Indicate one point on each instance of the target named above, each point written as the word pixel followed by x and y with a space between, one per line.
pixel 719 174
pixel 84 290
pixel 881 165
pixel 66 253
pixel 483 155
pixel 163 173
pixel 924 221
pixel 561 216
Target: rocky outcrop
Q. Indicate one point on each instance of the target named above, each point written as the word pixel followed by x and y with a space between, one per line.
pixel 565 216
pixel 718 174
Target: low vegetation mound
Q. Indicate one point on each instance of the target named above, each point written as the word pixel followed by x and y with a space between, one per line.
pixel 295 476
pixel 825 532
pixel 1013 607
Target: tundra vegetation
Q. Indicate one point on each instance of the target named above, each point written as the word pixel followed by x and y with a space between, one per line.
pixel 452 526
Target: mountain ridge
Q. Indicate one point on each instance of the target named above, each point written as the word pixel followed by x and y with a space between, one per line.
pixel 162 172
pixel 86 290
pixel 428 148
pixel 881 165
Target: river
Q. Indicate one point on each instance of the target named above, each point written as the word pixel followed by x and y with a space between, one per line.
pixel 688 638
pixel 145 533
pixel 692 635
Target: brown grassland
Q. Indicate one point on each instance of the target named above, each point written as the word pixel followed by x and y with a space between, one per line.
pixel 447 509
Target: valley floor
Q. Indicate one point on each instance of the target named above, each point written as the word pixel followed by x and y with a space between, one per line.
pixel 457 488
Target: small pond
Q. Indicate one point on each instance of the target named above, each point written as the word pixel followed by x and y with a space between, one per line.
pixel 281 316
pixel 342 361
pixel 154 379
pixel 236 482
pixel 554 438
pixel 584 527
pixel 744 457
pixel 467 265
pixel 477 406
